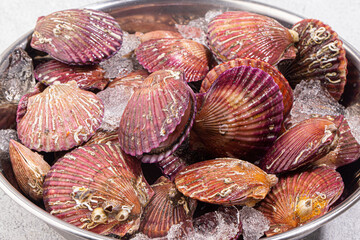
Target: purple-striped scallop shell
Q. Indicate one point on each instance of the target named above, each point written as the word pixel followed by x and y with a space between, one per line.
pixel 301 197
pixel 97 188
pixel 171 165
pixel 280 80
pixel 59 118
pixel 133 79
pixel 302 144
pixel 158 34
pixel 346 151
pixel 77 36
pixel 102 136
pixel 225 181
pixel 240 34
pixel 29 169
pixel 321 56
pixel 241 114
pixel 166 208
pixel 87 77
pixel 158 116
pixel 176 54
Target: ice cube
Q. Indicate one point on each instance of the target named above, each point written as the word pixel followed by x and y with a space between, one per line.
pixel 352 114
pixel 254 223
pixel 5 136
pixel 17 76
pixel 212 14
pixel 115 100
pixel 123 62
pixel 312 99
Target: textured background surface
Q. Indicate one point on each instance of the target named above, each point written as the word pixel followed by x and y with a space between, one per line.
pixel 19 16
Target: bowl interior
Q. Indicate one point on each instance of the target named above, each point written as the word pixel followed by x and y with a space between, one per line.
pixel 143 16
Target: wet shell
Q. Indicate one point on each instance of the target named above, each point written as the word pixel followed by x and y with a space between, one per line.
pixel 171 165
pixel 241 114
pixel 154 130
pixel 177 54
pixel 225 181
pixel 300 198
pixel 346 151
pixel 97 188
pixel 280 80
pixel 303 144
pixel 133 79
pixel 158 34
pixel 77 36
pixel 29 168
pixel 321 56
pixel 87 77
pixel 248 35
pixel 102 136
pixel 59 118
pixel 166 208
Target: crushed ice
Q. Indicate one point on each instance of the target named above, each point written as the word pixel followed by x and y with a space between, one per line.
pixel 254 223
pixel 352 115
pixel 123 62
pixel 310 100
pixel 5 136
pixel 115 100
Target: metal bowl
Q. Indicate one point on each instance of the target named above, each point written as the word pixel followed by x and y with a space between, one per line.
pixel 137 15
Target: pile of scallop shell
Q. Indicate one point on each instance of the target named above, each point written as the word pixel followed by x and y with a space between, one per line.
pixel 224 143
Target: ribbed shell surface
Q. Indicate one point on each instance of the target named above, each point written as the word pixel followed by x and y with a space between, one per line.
pixel 166 208
pixel 94 177
pixel 225 181
pixel 241 113
pixel 59 118
pixel 158 116
pixel 321 56
pixel 87 77
pixel 248 35
pixel 171 165
pixel 134 79
pixel 77 36
pixel 176 54
pixel 346 151
pixel 301 197
pixel 279 79
pixel 303 144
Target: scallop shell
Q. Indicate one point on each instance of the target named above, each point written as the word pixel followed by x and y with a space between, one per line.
pixel 97 188
pixel 87 77
pixel 248 35
pixel 171 165
pixel 279 79
pixel 321 57
pixel 225 181
pixel 29 168
pixel 241 114
pixel 166 208
pixel 154 130
pixel 77 36
pixel 102 136
pixel 59 118
pixel 176 54
pixel 133 79
pixel 346 151
pixel 158 34
pixel 302 144
pixel 8 115
pixel 301 197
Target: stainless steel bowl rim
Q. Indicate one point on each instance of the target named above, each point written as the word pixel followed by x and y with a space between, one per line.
pixel 72 230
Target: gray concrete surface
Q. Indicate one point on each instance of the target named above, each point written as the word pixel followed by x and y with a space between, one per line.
pixel 19 16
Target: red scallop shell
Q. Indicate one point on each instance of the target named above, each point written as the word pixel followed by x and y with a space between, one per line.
pixel 241 114
pixel 59 118
pixel 158 34
pixel 87 77
pixel 166 208
pixel 97 178
pixel 321 56
pixel 346 151
pixel 279 79
pixel 158 116
pixel 133 79
pixel 302 144
pixel 171 165
pixel 77 36
pixel 301 197
pixel 176 54
pixel 240 34
pixel 225 181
